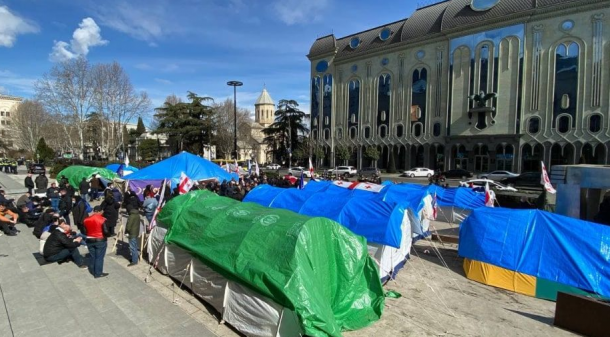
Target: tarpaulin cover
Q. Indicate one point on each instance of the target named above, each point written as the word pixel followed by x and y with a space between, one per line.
pixel 313 266
pixel 462 197
pixel 128 168
pixel 193 166
pixel 541 244
pixel 76 173
pixel 364 213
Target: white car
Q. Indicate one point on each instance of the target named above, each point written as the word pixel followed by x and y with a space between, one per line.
pixel 498 175
pixel 273 167
pixel 419 172
pixel 349 171
pixel 492 184
pixel 296 171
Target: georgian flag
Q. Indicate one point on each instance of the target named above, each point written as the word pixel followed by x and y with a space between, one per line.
pixel 185 184
pixel 490 196
pixel 236 167
pixel 256 169
pixel 375 188
pixel 434 207
pixel 545 181
pixel 153 222
pixel 310 168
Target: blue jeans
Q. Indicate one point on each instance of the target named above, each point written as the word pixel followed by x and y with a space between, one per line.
pixel 65 254
pixel 55 204
pixel 97 250
pixel 133 249
pixel 93 193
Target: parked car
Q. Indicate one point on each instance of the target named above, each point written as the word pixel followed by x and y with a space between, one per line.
pixel 498 175
pixel 369 172
pixel 457 173
pixel 526 179
pixel 273 167
pixel 37 168
pixel 418 172
pixel 296 171
pixel 492 184
pixel 344 171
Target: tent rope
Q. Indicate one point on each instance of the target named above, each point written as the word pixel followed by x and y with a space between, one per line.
pixel 155 264
pixel 451 313
pixel 186 271
pixel 444 262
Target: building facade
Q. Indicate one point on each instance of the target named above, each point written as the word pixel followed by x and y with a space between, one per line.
pixel 422 89
pixel 264 116
pixel 8 108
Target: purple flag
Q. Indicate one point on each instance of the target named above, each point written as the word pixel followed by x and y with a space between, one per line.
pixel 138 186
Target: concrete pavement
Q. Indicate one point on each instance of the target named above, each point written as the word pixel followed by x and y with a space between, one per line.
pixel 63 300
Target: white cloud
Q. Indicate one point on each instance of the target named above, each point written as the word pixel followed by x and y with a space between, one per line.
pixel 87 35
pixel 163 81
pixel 296 11
pixel 16 84
pixel 140 21
pixel 12 25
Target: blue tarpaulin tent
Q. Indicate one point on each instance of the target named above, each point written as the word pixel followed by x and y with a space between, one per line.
pixel 127 170
pixel 195 167
pixel 540 244
pixel 388 225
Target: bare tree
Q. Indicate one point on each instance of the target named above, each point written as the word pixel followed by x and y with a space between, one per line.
pixel 223 124
pixel 29 123
pixel 67 90
pixel 117 102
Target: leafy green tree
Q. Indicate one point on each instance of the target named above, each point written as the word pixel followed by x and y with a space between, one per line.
pixel 149 149
pixel 343 153
pixel 43 151
pixel 186 124
pixel 285 134
pixel 140 129
pixel 372 154
pixel 318 153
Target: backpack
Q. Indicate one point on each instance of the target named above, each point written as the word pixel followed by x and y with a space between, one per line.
pixel 88 207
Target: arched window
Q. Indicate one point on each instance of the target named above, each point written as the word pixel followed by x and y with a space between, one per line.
pixel 419 96
pixel 399 130
pixel 417 129
pixel 383 131
pixel 563 124
pixel 315 134
pixel 566 81
pixel 595 123
pixel 437 129
pixel 367 132
pixel 353 132
pixel 533 125
pixel 326 134
pixel 484 68
pixel 8 114
pixel 354 101
pixel 383 102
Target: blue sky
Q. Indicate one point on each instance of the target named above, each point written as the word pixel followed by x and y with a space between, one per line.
pixel 171 46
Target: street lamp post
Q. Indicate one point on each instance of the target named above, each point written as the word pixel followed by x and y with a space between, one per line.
pixel 235 84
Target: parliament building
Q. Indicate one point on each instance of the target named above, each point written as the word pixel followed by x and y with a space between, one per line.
pixel 473 84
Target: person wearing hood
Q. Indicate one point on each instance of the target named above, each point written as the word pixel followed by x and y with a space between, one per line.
pixel 83 188
pixel 110 209
pixel 133 231
pixel 29 183
pixel 96 184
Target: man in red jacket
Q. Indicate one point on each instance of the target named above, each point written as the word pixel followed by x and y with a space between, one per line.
pixel 97 232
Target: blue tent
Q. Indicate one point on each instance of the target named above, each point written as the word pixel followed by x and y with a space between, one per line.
pixel 541 244
pixel 193 166
pixel 128 169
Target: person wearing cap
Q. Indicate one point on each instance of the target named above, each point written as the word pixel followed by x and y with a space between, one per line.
pixel 8 224
pixel 60 246
pixel 97 234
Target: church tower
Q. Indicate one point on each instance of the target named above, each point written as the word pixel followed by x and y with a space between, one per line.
pixel 264 109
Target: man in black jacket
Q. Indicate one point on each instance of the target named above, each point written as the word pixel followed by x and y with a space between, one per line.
pixel 42 182
pixel 83 188
pixel 65 204
pixel 79 213
pixel 60 247
pixel 29 183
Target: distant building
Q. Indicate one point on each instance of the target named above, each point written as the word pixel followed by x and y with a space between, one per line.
pixel 264 116
pixel 404 87
pixel 8 107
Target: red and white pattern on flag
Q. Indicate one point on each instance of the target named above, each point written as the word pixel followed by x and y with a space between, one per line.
pixel 153 222
pixel 185 184
pixel 489 196
pixel 434 207
pixel 310 168
pixel 545 181
pixel 375 188
pixel 346 184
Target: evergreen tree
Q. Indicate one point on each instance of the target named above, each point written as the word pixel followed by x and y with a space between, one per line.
pixel 187 125
pixel 285 134
pixel 149 149
pixel 140 128
pixel 43 151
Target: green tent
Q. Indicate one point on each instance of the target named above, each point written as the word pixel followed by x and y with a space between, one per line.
pixel 313 266
pixel 76 173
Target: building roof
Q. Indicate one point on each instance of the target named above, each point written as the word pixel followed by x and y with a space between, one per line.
pixel 264 98
pixel 12 98
pixel 446 17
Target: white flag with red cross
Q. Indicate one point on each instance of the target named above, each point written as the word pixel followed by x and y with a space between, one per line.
pixel 310 168
pixel 346 184
pixel 490 196
pixel 185 184
pixel 376 188
pixel 545 181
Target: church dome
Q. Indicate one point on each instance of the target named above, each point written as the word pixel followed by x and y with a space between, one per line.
pixel 264 98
